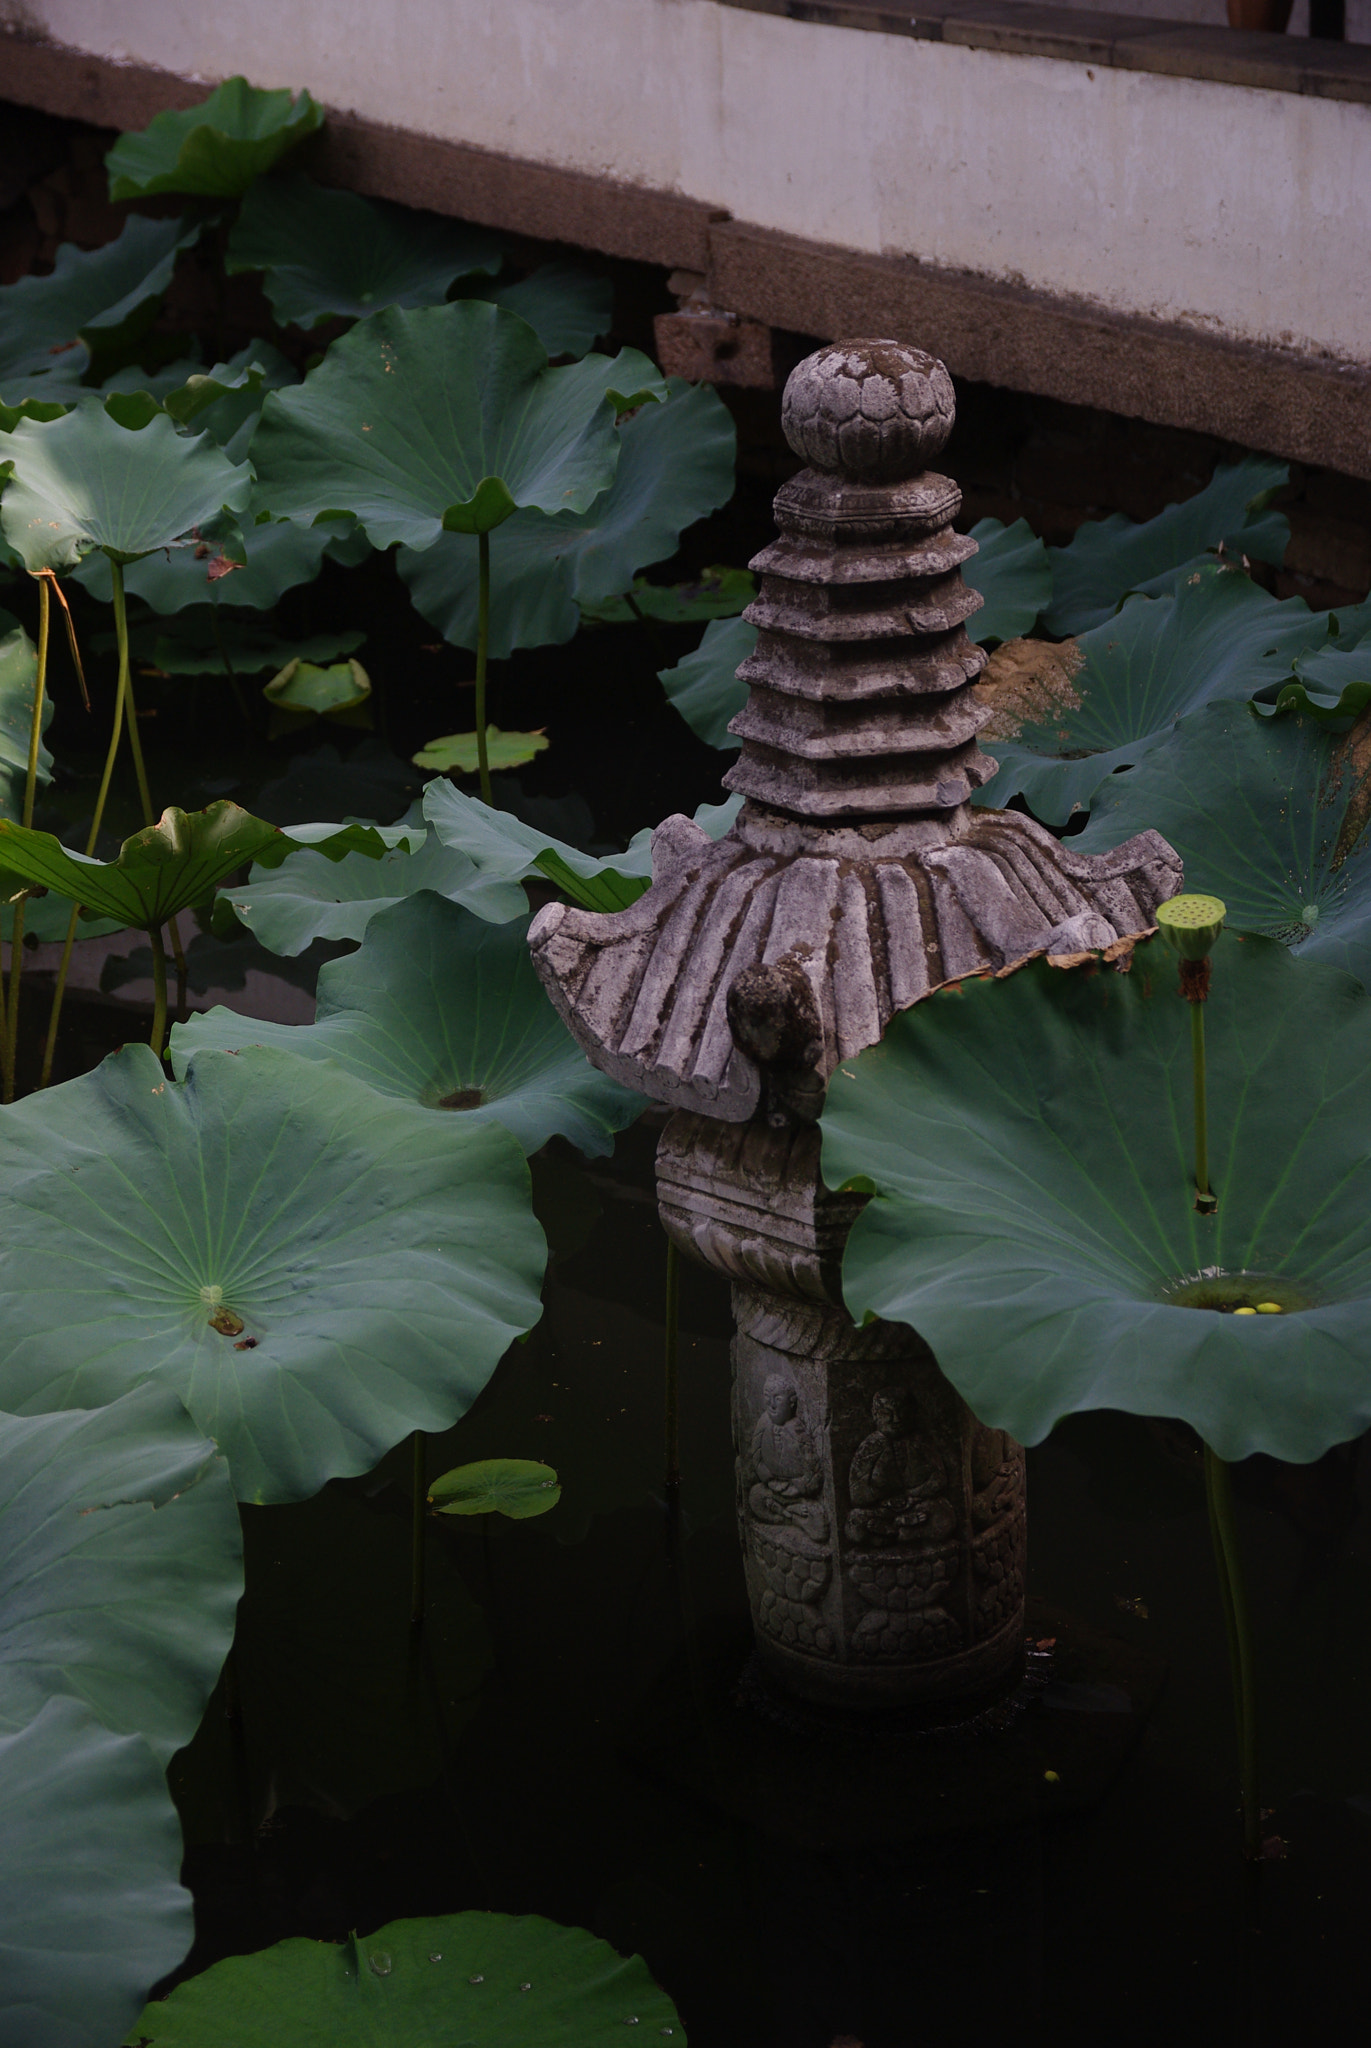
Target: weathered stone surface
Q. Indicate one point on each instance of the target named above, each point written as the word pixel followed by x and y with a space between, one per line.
pixel 882 1525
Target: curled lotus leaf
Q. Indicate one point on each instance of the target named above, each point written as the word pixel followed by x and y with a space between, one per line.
pixel 313 1274
pixel 444 419
pixel 215 149
pixel 1027 1147
pixel 496 1979
pixel 55 331
pixel 174 864
pixel 18 681
pixel 1109 559
pixel 443 1009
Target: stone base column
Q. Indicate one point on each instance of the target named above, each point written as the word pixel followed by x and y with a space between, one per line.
pixel 883 1527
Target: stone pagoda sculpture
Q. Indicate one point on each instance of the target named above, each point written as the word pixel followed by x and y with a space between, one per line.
pixel 882 1524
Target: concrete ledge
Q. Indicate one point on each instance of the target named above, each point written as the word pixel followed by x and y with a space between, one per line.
pixel 1284 405
pixel 1306 407
pixel 1126 42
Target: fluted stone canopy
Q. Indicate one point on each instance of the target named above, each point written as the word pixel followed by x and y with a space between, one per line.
pixel 858 876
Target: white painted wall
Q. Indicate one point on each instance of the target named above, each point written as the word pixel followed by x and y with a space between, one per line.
pixel 1241 212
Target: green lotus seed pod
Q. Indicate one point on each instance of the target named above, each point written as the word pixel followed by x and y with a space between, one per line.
pixel 1191 924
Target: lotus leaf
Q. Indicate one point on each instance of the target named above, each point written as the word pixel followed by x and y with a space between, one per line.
pixel 441 1008
pixel 172 865
pixel 305 689
pixel 91 1907
pixel 314 1275
pixel 120 1566
pixel 313 897
pixel 675 465
pixel 484 1980
pixel 1065 718
pixel 706 688
pixel 459 752
pixel 83 482
pixel 716 593
pixel 330 254
pixel 18 681
pixel 566 307
pixel 505 850
pixel 1110 558
pixel 215 149
pixel 1269 816
pixel 93 303
pixel 445 419
pixel 517 1487
pixel 1014 577
pixel 1028 1142
pixel 1332 682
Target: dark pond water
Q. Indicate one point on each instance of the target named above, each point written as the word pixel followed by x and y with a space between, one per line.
pixel 504 1768
pixel 565 1740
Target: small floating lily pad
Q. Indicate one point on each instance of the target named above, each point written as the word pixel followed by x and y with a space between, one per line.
pixel 481 1980
pixel 517 1487
pixel 457 752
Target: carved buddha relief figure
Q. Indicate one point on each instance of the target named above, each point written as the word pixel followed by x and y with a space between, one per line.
pixel 785 1476
pixel 898 1480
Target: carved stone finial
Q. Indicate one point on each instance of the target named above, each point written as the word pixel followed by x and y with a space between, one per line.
pixel 874 410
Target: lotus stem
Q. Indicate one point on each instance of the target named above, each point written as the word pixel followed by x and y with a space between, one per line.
pixel 10 1048
pixel 159 991
pixel 1204 1198
pixel 419 1504
pixel 97 819
pixel 1224 1534
pixel 482 647
pixel 671 1351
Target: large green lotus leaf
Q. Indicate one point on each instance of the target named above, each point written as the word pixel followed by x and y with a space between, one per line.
pixel 1105 701
pixel 1270 817
pixel 467 1980
pixel 1109 558
pixel 312 897
pixel 705 686
pixel 279 556
pixel 215 149
pixel 313 1271
pixel 505 850
pixel 444 419
pixel 120 1566
pixel 174 864
pixel 330 254
pixel 441 1008
pixel 675 465
pixel 84 481
pixel 1013 575
pixel 92 303
pixel 91 1907
pixel 566 307
pixel 18 680
pixel 718 592
pixel 1030 1144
